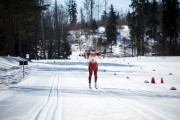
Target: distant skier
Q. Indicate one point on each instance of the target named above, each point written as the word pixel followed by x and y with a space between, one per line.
pixel 93 65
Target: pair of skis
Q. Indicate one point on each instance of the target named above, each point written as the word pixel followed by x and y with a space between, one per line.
pixel 94 87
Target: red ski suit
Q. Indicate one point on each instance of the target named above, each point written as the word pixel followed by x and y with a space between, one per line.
pixel 93 66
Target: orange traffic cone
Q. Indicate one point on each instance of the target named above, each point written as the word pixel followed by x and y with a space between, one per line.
pixel 153 80
pixel 162 81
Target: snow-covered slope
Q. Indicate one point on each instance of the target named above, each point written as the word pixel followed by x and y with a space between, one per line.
pixel 58 90
pixel 10 71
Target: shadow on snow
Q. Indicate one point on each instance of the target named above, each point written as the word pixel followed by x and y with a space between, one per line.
pixel 105 92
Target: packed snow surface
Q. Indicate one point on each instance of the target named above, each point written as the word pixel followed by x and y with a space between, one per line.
pixel 58 90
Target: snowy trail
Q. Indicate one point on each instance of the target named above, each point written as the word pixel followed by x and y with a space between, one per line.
pixel 39 97
pixel 137 109
pixel 52 107
pixel 58 90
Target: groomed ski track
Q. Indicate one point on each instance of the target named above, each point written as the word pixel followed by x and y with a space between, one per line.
pixel 58 90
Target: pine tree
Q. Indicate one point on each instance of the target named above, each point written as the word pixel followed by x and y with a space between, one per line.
pixel 104 18
pixel 94 26
pixel 151 23
pixel 82 18
pixel 72 12
pixel 111 31
pixel 92 8
pixel 170 15
pixel 137 23
pixel 131 18
pixel 48 34
pixel 151 19
pixel 18 25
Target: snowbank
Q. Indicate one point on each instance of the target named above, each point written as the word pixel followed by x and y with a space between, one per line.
pixel 10 71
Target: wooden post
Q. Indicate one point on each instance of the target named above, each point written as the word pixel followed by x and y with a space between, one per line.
pixel 23 69
pixel 23 63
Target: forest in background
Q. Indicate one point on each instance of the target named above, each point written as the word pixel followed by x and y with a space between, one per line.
pixel 42 30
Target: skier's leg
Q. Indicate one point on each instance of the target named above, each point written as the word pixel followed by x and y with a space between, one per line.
pixel 95 74
pixel 95 77
pixel 90 74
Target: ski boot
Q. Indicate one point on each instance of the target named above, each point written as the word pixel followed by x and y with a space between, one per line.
pixel 90 86
pixel 95 85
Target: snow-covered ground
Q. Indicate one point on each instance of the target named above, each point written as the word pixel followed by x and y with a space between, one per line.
pixel 58 90
pixel 10 71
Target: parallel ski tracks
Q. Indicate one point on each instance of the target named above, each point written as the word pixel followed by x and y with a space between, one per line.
pixel 145 110
pixel 136 109
pixel 129 105
pixel 52 107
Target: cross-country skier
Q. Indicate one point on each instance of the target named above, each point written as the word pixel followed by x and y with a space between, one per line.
pixel 93 65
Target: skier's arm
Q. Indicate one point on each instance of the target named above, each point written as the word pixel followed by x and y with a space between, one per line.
pixel 99 54
pixel 85 55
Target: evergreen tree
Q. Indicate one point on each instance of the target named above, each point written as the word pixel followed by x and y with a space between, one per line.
pixel 94 26
pixel 55 34
pixel 170 15
pixel 48 34
pixel 133 30
pixel 82 18
pixel 151 19
pixel 104 18
pixel 18 25
pixel 72 12
pixel 111 31
pixel 137 23
pixel 151 12
pixel 92 8
pixel 66 50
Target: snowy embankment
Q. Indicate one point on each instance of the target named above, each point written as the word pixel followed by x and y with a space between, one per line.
pixel 58 89
pixel 10 71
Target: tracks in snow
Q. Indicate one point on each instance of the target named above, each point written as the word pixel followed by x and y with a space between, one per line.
pixel 136 108
pixel 52 107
